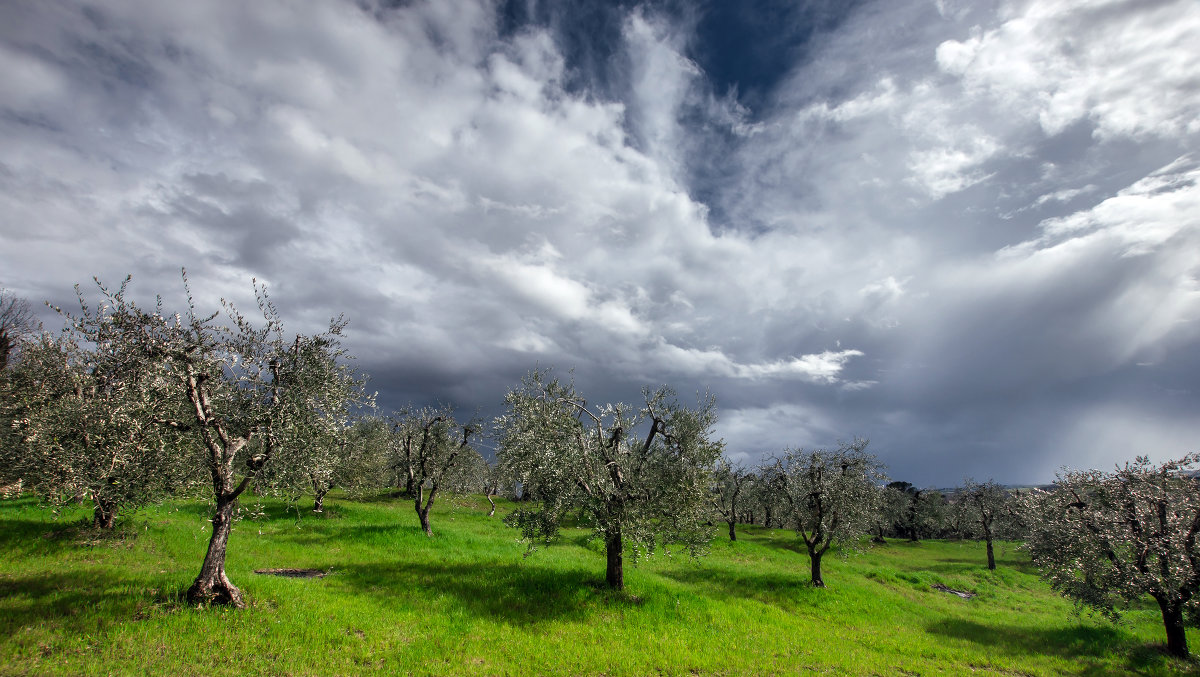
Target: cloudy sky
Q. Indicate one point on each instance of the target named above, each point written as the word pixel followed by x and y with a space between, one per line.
pixel 966 229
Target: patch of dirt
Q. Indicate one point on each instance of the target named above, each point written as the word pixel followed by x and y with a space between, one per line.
pixel 294 573
pixel 961 593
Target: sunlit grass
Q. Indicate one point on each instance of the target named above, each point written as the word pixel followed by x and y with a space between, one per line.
pixel 467 601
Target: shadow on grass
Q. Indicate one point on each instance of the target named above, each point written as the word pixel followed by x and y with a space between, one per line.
pixel 519 594
pixel 1080 642
pixel 41 538
pixel 793 544
pixel 784 590
pixel 967 566
pixel 79 601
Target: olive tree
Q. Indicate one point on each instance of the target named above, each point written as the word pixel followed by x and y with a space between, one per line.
pixel 434 452
pixel 637 492
pixel 1107 539
pixel 492 479
pixel 990 507
pixel 253 394
pixel 891 506
pixel 831 495
pixel 17 325
pixel 766 495
pixel 89 402
pixel 730 485
pixel 16 322
pixel 241 391
pixel 958 519
pixel 341 452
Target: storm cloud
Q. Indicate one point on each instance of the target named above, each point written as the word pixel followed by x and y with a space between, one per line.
pixel 968 231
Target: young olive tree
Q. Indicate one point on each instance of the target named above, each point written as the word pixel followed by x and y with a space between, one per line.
pixel 1106 539
pixel 892 505
pixel 730 489
pixel 831 496
pixel 492 479
pixel 958 519
pixel 637 493
pixel 990 507
pixel 91 400
pixel 348 455
pixel 766 495
pixel 434 453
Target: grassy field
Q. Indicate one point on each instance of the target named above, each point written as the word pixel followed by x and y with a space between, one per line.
pixel 468 602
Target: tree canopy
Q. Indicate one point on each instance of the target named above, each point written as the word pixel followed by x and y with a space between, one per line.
pixel 1106 539
pixel 831 495
pixel 636 491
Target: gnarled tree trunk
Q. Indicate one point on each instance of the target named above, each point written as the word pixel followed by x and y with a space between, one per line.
pixel 212 586
pixel 732 531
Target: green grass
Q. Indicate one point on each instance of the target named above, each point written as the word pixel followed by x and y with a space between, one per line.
pixel 468 602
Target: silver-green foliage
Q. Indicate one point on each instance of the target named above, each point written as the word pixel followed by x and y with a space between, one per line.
pixel 90 402
pixel 731 493
pixel 433 452
pixel 636 492
pixel 832 496
pixel 1106 539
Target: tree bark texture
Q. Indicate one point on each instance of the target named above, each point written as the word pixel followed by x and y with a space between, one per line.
pixel 320 488
pixel 212 586
pixel 1172 614
pixel 423 510
pixel 815 560
pixel 732 531
pixel 614 575
pixel 991 555
pixel 493 510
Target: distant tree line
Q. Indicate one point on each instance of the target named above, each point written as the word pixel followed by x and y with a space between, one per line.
pixel 129 405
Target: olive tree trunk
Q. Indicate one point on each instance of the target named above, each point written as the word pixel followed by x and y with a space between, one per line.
pixel 1172 615
pixel 814 557
pixel 104 513
pixel 614 574
pixel 732 530
pixel 212 586
pixel 878 537
pixel 423 510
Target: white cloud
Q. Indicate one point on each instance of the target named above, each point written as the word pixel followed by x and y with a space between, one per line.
pixel 1139 218
pixel 1128 67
